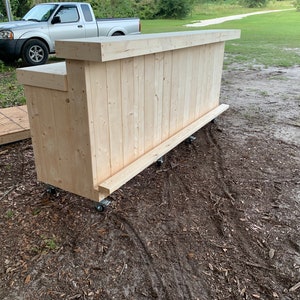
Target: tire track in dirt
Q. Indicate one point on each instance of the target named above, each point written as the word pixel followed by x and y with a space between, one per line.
pixel 182 285
pixel 157 283
pixel 176 192
pixel 251 252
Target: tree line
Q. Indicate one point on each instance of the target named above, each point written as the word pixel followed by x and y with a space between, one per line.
pixel 144 9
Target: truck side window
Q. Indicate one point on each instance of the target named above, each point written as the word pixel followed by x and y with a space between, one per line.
pixel 68 14
pixel 86 13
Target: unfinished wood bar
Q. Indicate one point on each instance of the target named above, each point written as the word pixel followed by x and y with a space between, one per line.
pixel 118 104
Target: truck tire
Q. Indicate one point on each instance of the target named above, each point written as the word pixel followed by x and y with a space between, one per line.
pixel 117 33
pixel 34 53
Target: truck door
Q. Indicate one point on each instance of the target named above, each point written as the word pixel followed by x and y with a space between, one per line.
pixel 66 24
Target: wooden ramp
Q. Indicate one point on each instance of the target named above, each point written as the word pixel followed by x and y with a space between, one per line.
pixel 14 124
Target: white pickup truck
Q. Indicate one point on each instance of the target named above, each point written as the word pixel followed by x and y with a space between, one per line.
pixel 33 38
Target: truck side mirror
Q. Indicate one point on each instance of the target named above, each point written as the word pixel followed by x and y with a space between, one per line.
pixel 56 20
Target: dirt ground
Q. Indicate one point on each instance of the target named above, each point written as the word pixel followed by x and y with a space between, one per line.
pixel 220 219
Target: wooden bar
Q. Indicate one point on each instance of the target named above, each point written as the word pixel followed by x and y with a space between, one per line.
pixel 118 104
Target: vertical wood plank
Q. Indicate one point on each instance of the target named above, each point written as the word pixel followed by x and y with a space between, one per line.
pixel 139 103
pixel 129 129
pixel 167 94
pixel 195 71
pixel 187 80
pixel 113 71
pixel 79 127
pixel 98 120
pixel 218 57
pixel 158 97
pixel 150 103
pixel 39 115
pixel 203 80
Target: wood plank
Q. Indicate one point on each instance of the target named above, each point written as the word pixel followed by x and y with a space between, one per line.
pixel 113 73
pixel 150 101
pixel 113 183
pixel 114 48
pixel 167 89
pixel 51 76
pixel 158 88
pixel 195 70
pixel 188 87
pixel 129 128
pixel 81 143
pixel 139 101
pixel 99 124
pixel 14 124
pixel 43 131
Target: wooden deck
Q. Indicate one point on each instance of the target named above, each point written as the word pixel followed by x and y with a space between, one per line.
pixel 14 124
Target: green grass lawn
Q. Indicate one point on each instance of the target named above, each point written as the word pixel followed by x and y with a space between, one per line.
pixel 269 40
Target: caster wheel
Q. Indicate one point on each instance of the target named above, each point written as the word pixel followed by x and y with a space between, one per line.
pixel 99 207
pixel 160 161
pixel 51 190
pixel 190 139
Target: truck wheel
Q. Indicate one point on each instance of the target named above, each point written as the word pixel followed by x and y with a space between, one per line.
pixel 118 33
pixel 34 53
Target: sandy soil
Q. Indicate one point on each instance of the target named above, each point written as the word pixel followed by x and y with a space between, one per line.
pixel 220 219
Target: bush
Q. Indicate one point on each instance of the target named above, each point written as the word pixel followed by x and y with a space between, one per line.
pixel 254 3
pixel 176 9
pixel 146 9
pixel 113 8
pixel 297 4
pixel 18 8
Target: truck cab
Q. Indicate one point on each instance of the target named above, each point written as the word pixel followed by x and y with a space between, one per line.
pixel 33 37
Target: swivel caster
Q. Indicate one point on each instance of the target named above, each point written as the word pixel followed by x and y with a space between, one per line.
pixel 51 190
pixel 102 205
pixel 190 139
pixel 160 161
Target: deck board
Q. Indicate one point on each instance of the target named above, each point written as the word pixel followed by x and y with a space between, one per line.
pixel 14 124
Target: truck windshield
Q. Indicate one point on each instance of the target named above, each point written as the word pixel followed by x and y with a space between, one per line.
pixel 40 13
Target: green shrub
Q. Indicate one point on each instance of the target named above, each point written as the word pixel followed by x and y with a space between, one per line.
pixel 18 8
pixel 146 9
pixel 297 4
pixel 113 8
pixel 254 3
pixel 174 9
